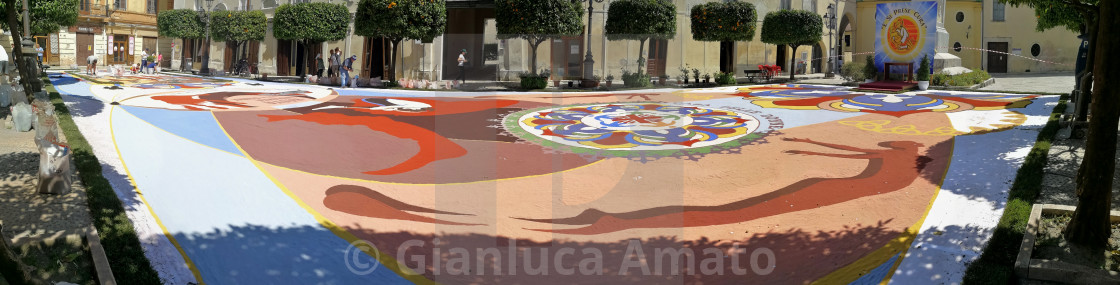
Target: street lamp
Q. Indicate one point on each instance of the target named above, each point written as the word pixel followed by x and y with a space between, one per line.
pixel 588 61
pixel 205 70
pixel 830 18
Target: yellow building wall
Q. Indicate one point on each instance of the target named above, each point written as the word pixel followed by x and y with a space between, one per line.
pixel 967 32
pixel 1057 45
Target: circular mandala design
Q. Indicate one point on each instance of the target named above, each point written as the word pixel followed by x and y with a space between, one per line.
pixel 646 130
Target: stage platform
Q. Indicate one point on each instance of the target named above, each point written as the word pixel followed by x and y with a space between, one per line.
pixel 889 86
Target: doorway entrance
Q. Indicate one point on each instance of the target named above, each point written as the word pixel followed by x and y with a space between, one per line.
pixel 727 57
pixel 374 58
pixel 655 59
pixel 997 57
pixel 120 52
pixel 567 58
pixel 818 54
pixel 84 47
pixel 781 61
pixel 283 57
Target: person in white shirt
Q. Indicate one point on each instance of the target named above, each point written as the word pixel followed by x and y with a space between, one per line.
pixel 462 66
pixel 91 64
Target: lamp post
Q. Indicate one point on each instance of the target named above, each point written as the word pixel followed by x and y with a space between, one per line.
pixel 589 61
pixel 830 18
pixel 205 70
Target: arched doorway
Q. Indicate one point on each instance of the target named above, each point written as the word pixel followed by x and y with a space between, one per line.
pixel 817 57
pixel 844 41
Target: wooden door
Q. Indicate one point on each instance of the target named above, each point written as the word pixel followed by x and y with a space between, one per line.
pixel 84 47
pixel 45 43
pixel 655 60
pixel 283 54
pixel 228 59
pixel 567 58
pixel 997 57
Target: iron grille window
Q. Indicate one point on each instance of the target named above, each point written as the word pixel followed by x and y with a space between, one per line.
pixel 786 4
pixel 84 5
pixel 120 4
pixel 152 6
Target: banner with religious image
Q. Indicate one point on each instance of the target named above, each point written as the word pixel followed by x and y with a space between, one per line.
pixel 905 32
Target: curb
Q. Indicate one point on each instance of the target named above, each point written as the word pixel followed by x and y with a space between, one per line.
pixel 100 260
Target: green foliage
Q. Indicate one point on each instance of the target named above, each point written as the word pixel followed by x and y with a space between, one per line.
pixel 311 22
pixel 723 21
pixel 636 79
pixel 401 19
pixel 1058 13
pixel 852 71
pixel 923 69
pixel 725 78
pixel 180 23
pixel 791 27
pixel 530 81
pixel 641 20
pixel 537 19
pixel 963 79
pixel 870 71
pixel 237 25
pixel 47 16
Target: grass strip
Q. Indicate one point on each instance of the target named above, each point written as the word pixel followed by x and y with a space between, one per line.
pixel 996 264
pixel 122 246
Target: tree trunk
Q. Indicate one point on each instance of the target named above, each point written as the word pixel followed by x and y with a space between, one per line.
pixel 183 56
pixel 17 48
pixel 792 61
pixel 641 60
pixel 393 59
pixel 533 55
pixel 1090 224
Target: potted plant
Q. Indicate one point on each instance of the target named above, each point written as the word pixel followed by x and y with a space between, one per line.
pixel 923 73
pixel 707 77
pixel 683 76
pixel 661 80
pixel 610 77
pixel 870 71
pixel 696 75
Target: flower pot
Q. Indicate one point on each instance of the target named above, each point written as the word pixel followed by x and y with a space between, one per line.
pixel 923 85
pixel 571 84
pixel 608 83
pixel 556 83
pixel 661 81
pixel 678 82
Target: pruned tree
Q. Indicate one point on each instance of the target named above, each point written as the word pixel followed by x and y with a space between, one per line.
pixel 793 28
pixel 641 20
pixel 180 24
pixel 310 24
pixel 46 16
pixel 237 28
pixel 537 21
pixel 398 20
pixel 723 22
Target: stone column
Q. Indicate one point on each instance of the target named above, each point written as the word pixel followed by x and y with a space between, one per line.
pixel 943 59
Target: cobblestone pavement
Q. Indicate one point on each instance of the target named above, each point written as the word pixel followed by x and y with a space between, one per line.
pixel 1033 82
pixel 26 215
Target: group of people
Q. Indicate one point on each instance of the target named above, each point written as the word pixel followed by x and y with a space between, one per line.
pixel 144 66
pixel 338 67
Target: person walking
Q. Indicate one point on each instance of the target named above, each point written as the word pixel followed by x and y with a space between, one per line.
pixel 347 67
pixel 462 67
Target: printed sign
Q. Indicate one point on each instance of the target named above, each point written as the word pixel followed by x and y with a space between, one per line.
pixel 131 44
pixel 905 32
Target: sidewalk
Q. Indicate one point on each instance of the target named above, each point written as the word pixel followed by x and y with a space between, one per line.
pixel 1066 154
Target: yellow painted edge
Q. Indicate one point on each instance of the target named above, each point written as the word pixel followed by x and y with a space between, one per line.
pixel 385 259
pixel 898 245
pixel 136 187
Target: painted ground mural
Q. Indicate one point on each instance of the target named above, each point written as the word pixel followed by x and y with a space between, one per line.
pixel 240 182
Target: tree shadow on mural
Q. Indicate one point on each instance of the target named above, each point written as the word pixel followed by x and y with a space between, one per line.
pixel 284 255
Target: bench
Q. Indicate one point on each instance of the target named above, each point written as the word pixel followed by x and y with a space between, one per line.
pixel 753 74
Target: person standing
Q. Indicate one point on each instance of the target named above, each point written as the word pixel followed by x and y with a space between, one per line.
pixel 334 63
pixel 159 59
pixel 143 60
pixel 39 49
pixel 462 67
pixel 319 65
pixel 347 67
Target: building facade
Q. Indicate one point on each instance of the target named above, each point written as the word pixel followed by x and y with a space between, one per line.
pixel 116 31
